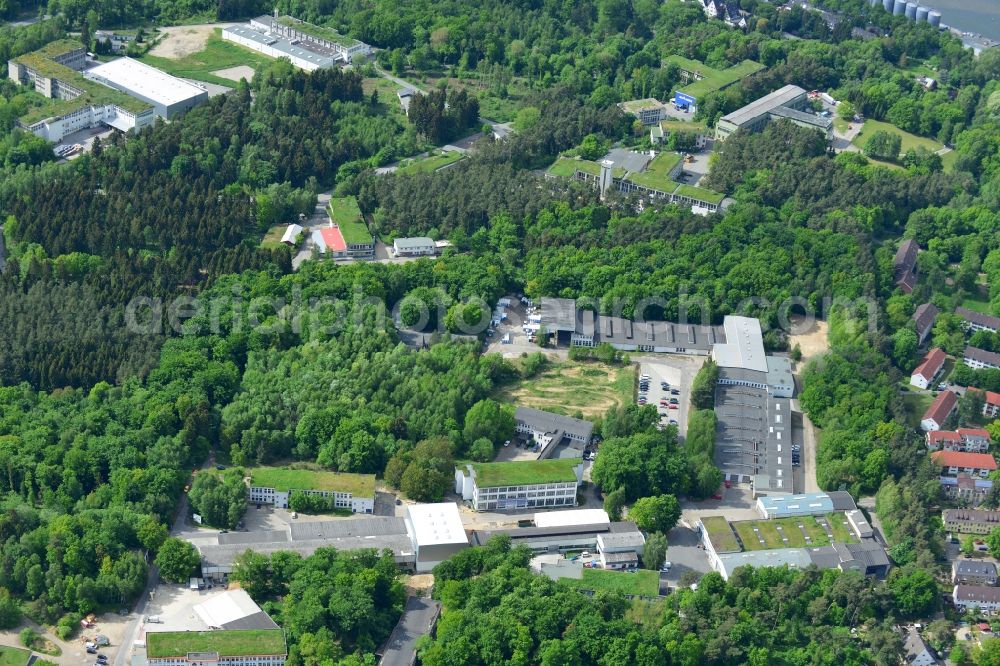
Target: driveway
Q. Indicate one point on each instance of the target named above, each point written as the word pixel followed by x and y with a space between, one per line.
pixel 398 81
pixel 809 439
pixel 736 504
pixel 318 219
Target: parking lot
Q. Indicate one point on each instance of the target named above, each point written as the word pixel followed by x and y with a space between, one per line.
pixel 677 371
pixel 684 555
pixel 697 168
pixel 518 343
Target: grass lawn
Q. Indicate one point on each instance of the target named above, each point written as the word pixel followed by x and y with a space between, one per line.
pixel 570 387
pixel 272 239
pixel 428 164
pixel 976 305
pixel 643 581
pixel 11 656
pixel 948 160
pixel 841 529
pixel 916 404
pixel 721 534
pixel 525 473
pixel 228 643
pixel 218 54
pixel 908 140
pixel 285 478
pixel 386 95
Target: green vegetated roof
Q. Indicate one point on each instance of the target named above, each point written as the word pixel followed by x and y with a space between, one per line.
pixel 635 105
pixel 526 473
pixel 714 79
pixel 683 126
pixel 227 643
pixel 94 93
pixel 699 193
pixel 344 212
pixel 657 173
pixel 567 166
pixel 284 479
pixel 317 31
pixel 721 534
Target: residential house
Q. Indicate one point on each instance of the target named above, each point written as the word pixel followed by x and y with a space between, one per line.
pixel 977 321
pixel 923 320
pixel 930 367
pixel 980 359
pixel 939 411
pixel 973 572
pixel 976 596
pixel 419 246
pixel 972 440
pixel 904 265
pixel 918 653
pixel 991 405
pixel 971 521
pixel 970 490
pixel 953 463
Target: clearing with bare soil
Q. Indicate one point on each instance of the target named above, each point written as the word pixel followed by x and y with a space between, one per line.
pixel 812 342
pixel 236 73
pixel 184 40
pixel 568 388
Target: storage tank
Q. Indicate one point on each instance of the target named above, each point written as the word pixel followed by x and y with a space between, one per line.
pixel 887 5
pixel 922 14
pixel 934 18
pixel 899 8
pixel 911 11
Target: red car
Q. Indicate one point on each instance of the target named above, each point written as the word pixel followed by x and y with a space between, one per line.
pixel 673 406
pixel 729 484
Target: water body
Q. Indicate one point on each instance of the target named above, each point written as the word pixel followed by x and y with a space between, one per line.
pixel 981 16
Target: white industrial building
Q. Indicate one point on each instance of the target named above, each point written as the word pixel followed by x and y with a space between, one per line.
pixel 809 504
pixel 572 517
pixel 307 46
pixel 168 95
pixel 436 531
pixel 232 609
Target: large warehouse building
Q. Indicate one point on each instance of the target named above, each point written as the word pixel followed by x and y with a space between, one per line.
pixel 168 95
pixel 790 103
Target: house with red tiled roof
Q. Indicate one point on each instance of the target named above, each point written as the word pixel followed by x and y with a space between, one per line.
pixel 973 440
pixel 939 411
pixel 924 374
pixel 953 463
pixel 991 406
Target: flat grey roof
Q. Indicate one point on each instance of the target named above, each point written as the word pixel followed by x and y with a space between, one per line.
pixel 764 105
pixel 282 45
pixel 259 620
pixel 627 159
pixel 480 537
pixel 558 314
pixel 754 436
pixel 617 330
pixel 250 538
pixel 352 527
pixel 623 540
pixel 550 423
pixel 802 117
pixel 224 555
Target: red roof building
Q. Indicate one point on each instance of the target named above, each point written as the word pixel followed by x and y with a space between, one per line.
pixel 928 369
pixel 954 462
pixel 974 440
pixel 334 239
pixel 991 407
pixel 939 411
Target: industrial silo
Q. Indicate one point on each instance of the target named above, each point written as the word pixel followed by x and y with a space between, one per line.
pixel 899 8
pixel 888 4
pixel 934 18
pixel 911 11
pixel 922 14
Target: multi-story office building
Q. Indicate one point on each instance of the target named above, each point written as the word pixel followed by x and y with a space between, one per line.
pixel 245 647
pixel 519 485
pixel 788 103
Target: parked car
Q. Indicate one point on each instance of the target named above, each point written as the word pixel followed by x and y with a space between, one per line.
pixel 674 392
pixel 675 401
pixel 673 407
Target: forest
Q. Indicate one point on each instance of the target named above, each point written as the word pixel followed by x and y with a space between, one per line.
pixel 100 425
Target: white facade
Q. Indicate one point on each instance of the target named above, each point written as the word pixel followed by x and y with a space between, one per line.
pixel 215 659
pixel 413 247
pixel 516 497
pixel 168 94
pixel 974 596
pixel 341 500
pixel 436 531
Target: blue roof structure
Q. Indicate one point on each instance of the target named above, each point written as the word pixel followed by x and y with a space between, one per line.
pixel 809 504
